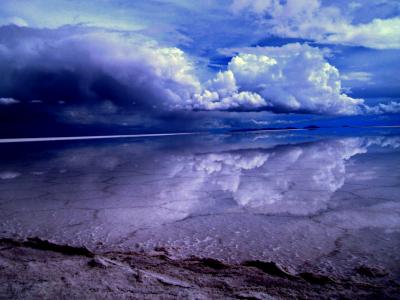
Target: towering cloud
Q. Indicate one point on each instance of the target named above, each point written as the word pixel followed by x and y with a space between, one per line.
pixel 290 78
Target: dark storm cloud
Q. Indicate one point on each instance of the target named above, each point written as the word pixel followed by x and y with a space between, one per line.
pixel 81 80
pixel 83 66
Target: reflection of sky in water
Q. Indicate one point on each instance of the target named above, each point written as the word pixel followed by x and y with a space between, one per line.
pixel 175 191
pixel 298 179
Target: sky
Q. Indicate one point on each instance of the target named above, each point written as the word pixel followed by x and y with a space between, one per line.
pixel 74 67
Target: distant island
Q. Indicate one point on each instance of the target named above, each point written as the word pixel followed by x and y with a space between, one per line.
pixel 310 127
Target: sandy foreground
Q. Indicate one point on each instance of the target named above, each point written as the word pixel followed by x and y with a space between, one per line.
pixel 39 269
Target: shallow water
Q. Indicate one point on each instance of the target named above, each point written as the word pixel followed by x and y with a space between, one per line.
pixel 320 199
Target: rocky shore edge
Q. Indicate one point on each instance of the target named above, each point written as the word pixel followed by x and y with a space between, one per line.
pixel 40 269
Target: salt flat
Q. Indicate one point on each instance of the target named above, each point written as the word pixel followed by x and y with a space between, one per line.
pixel 307 202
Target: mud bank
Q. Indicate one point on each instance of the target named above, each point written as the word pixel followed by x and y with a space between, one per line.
pixel 39 269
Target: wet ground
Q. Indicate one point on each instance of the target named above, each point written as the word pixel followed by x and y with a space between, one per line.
pixel 315 201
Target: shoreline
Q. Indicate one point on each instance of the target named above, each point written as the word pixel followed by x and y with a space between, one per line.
pixel 36 268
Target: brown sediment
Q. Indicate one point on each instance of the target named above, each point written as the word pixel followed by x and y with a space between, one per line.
pixel 40 269
pixel 40 244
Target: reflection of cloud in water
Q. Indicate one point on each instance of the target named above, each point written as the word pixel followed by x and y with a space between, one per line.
pixel 390 142
pixel 115 189
pixel 292 179
pixel 9 175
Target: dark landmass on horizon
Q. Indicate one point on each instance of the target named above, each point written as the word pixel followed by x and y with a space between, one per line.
pixel 310 127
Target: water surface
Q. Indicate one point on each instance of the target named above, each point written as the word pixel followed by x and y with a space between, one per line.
pixel 326 200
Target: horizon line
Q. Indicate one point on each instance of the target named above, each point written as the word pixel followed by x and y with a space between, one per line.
pixel 90 137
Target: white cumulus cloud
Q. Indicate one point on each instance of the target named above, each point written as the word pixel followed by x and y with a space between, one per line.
pixel 293 77
pixel 357 76
pixel 383 108
pixel 222 93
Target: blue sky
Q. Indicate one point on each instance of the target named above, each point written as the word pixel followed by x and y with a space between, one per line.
pixel 173 64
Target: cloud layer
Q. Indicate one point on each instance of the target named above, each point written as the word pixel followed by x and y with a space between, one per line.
pixel 92 74
pixel 309 19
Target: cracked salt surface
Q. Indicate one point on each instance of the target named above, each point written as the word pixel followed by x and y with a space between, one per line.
pixel 331 203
